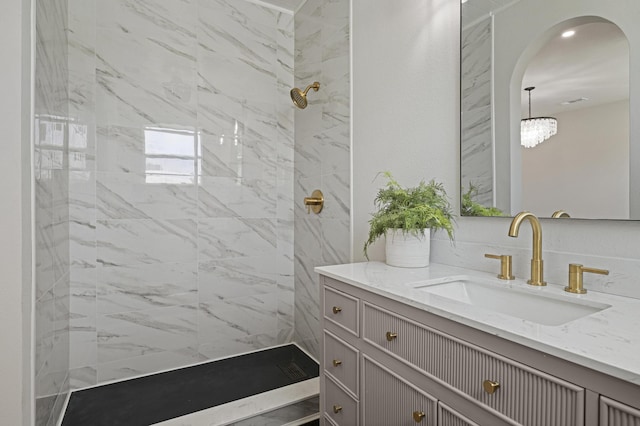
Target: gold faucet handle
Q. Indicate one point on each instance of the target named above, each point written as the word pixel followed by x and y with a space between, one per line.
pixel 505 265
pixel 315 202
pixel 575 277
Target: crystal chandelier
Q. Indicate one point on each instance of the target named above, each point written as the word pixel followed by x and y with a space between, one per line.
pixel 534 130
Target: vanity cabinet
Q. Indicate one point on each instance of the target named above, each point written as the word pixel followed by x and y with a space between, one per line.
pixel 387 363
pixel 613 413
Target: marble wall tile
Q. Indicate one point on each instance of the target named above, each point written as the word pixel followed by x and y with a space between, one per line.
pixel 235 346
pixel 82 324
pixel 335 148
pixel 82 59
pixel 236 277
pixel 220 238
pixel 322 155
pixel 142 287
pixel 221 320
pixel 134 196
pixel 229 197
pixel 82 377
pixel 228 105
pixel 164 216
pixel 250 34
pixel 336 194
pixel 131 242
pixel 152 81
pixel 226 156
pixel 130 334
pixel 146 364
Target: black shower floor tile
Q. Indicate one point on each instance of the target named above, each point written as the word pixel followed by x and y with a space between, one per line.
pixel 159 397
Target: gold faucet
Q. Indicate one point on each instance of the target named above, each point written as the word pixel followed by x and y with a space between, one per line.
pixel 536 261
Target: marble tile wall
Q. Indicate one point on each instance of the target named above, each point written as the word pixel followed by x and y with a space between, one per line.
pixel 322 154
pixel 181 195
pixel 477 125
pixel 51 211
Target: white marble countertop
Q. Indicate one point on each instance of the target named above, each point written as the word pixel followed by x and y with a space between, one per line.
pixel 607 341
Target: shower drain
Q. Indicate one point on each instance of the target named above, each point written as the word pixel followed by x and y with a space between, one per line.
pixel 293 371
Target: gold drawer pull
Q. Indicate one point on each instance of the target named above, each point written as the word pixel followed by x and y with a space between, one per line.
pixel 337 309
pixel 336 362
pixel 337 408
pixel 418 416
pixel 490 386
pixel 391 336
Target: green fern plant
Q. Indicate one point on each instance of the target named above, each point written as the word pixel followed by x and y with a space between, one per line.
pixel 409 209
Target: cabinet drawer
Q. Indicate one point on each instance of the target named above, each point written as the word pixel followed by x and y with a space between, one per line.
pixel 450 417
pixel 466 368
pixel 339 406
pixel 398 404
pixel 614 413
pixel 341 309
pixel 341 362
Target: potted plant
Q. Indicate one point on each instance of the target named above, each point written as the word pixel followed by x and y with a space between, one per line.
pixel 405 217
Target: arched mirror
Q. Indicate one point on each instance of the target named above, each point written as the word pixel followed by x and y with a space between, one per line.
pixel 578 56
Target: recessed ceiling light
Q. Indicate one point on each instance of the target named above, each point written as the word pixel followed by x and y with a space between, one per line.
pixel 568 34
pixel 463 1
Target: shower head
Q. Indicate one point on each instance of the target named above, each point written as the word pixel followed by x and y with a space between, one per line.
pixel 299 97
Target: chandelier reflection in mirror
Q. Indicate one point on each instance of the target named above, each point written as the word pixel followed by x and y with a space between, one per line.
pixel 534 130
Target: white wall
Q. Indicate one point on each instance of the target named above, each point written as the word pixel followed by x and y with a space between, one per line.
pixel 15 259
pixel 405 100
pixel 406 119
pixel 584 169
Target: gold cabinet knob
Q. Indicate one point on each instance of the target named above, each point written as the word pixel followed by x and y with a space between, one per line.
pixel 490 386
pixel 391 336
pixel 418 416
pixel 337 362
pixel 337 408
pixel 337 309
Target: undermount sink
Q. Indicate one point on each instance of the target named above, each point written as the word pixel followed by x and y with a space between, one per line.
pixel 515 302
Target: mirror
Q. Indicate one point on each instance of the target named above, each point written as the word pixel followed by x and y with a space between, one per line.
pixel 588 82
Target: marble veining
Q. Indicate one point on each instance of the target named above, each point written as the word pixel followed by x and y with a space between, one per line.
pixel 181 190
pixel 604 341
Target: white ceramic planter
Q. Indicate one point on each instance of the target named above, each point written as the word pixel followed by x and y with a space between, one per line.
pixel 408 250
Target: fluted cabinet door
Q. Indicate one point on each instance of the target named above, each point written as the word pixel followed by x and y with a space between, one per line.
pixel 613 413
pixel 389 400
pixel 447 416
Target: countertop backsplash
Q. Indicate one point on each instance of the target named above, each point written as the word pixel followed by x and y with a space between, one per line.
pixel 615 247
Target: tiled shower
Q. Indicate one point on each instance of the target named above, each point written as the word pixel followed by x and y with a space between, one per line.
pixel 173 230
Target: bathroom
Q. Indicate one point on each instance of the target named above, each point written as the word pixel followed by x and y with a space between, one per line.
pixel 400 97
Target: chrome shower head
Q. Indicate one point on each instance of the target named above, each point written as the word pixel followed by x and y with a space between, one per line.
pixel 299 97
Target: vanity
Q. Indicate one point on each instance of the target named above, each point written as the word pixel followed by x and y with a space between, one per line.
pixel 449 346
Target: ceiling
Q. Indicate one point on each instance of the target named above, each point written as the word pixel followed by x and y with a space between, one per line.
pixel 593 64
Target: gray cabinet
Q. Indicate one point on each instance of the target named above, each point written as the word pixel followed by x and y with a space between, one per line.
pixel 386 363
pixel 613 413
pixel 447 416
pixel 388 399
